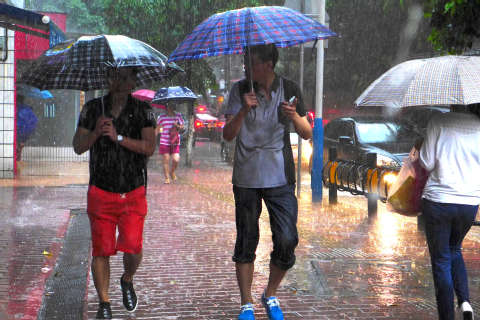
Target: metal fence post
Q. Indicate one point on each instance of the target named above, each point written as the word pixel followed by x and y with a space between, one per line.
pixel 372 197
pixel 332 189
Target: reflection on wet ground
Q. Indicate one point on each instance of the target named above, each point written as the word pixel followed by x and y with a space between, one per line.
pixel 34 221
pixel 342 255
pixel 347 267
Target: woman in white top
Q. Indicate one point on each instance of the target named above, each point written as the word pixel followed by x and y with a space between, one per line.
pixel 451 155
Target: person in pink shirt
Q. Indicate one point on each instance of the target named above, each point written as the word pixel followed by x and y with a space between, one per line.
pixel 169 126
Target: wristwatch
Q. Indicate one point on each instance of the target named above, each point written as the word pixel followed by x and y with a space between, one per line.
pixel 119 138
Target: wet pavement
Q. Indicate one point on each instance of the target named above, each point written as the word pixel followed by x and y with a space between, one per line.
pixel 347 266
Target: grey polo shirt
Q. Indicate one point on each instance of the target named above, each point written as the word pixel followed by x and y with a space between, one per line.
pixel 259 153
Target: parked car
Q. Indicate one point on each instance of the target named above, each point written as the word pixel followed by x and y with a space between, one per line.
pixel 419 116
pixel 354 137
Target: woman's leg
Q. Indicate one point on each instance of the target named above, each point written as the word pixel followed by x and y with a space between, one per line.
pixel 438 224
pixel 166 160
pixel 175 161
pixel 462 223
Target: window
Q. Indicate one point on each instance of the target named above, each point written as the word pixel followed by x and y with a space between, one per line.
pixel 380 132
pixel 3 44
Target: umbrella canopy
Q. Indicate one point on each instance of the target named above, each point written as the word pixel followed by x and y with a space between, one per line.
pixel 179 94
pixel 231 31
pixel 26 122
pixel 82 64
pixel 435 81
pixel 147 95
pixel 144 95
pixel 32 92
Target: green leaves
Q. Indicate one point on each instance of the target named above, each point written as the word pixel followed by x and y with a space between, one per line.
pixel 454 23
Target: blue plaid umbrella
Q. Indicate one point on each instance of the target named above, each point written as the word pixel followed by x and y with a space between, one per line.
pixel 231 31
pixel 82 64
pixel 179 94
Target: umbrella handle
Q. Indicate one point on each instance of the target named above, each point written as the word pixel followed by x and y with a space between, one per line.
pixel 250 69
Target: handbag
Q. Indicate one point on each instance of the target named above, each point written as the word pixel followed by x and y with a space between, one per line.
pixel 404 195
pixel 174 136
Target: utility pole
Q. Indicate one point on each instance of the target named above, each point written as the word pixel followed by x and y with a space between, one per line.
pixel 316 182
pixel 299 139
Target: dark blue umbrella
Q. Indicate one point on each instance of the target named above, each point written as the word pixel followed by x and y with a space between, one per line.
pixel 179 94
pixel 32 92
pixel 26 122
pixel 231 31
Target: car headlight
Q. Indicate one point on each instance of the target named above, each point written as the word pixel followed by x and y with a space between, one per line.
pixel 385 161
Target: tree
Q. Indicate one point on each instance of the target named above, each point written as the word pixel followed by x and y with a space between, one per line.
pixel 455 24
pixel 165 23
pixel 83 16
pixel 371 36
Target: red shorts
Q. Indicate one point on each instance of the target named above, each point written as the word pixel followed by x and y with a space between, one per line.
pixel 107 210
pixel 164 149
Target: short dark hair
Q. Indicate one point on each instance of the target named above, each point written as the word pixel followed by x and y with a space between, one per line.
pixel 265 52
pixel 113 70
pixel 474 108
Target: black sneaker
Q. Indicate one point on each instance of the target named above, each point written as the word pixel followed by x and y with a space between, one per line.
pixel 129 296
pixel 104 311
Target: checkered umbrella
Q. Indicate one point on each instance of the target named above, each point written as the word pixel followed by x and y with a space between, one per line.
pixel 231 31
pixel 435 81
pixel 179 94
pixel 81 64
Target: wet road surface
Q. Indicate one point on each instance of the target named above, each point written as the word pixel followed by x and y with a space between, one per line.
pixel 347 267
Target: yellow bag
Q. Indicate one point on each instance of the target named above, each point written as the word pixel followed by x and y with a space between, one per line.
pixel 406 192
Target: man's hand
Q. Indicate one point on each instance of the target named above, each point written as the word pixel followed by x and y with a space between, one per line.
pixel 249 101
pixel 109 130
pixel 290 109
pixel 101 122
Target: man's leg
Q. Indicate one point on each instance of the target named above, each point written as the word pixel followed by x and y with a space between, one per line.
pixel 130 241
pixel 245 279
pixel 130 265
pixel 275 278
pixel 101 277
pixel 282 207
pixel 248 207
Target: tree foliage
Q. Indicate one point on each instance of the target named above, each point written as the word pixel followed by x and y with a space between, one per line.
pixel 165 23
pixel 83 16
pixel 371 38
pixel 455 23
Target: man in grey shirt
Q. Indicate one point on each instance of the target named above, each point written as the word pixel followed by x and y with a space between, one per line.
pixel 264 170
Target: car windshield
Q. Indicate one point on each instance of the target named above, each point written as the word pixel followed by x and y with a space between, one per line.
pixel 380 132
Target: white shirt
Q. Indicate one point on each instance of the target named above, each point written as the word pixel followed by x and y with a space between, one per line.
pixel 451 153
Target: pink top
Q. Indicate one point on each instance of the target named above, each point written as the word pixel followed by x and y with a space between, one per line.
pixel 167 122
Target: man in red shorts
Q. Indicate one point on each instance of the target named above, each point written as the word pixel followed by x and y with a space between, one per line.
pixel 119 131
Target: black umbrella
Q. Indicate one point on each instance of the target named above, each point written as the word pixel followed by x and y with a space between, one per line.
pixel 82 64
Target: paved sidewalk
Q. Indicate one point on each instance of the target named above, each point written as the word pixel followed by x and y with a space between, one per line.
pixel 347 268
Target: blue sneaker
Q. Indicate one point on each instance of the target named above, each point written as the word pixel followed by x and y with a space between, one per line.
pixel 272 306
pixel 246 312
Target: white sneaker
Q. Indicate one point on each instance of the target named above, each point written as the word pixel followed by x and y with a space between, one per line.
pixel 467 311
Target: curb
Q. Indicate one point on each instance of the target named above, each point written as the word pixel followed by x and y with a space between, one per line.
pixel 66 288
